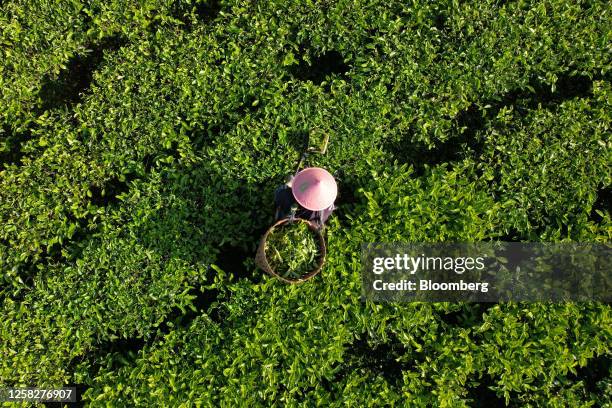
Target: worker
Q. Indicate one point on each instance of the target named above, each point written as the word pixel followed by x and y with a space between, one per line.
pixel 309 195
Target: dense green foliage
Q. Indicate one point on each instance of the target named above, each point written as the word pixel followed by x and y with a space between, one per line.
pixel 140 145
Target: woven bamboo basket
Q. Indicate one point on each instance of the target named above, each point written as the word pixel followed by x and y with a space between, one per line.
pixel 262 261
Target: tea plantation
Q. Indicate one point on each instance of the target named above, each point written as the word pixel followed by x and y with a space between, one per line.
pixel 140 145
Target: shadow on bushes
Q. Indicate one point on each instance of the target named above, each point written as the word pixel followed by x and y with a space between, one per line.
pixel 470 315
pixel 11 152
pixel 379 359
pixel 72 82
pixel 203 301
pixel 348 199
pixel 482 396
pixel 602 203
pixel 203 11
pixel 322 66
pixel 421 156
pixel 476 119
pixel 106 195
pixel 594 374
pixel 466 141
pixel 208 217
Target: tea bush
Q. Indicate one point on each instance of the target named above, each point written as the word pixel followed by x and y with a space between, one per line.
pixel 140 145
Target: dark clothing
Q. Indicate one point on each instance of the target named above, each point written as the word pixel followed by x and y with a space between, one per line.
pixel 284 200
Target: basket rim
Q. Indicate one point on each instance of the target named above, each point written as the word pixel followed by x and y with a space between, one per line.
pixel 262 260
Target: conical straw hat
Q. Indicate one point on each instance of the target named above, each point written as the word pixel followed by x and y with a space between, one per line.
pixel 314 188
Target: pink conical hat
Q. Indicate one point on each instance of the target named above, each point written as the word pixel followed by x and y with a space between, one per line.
pixel 314 188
